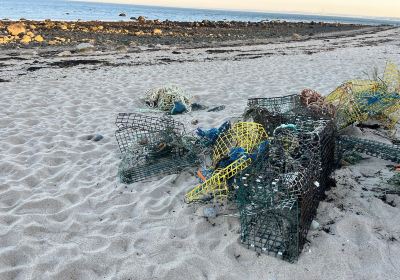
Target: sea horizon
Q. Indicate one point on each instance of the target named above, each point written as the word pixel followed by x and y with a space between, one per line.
pixel 93 11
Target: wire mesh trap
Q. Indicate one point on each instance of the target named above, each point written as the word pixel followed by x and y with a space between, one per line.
pixel 274 111
pixel 349 144
pixel 152 146
pixel 279 193
pixel 276 211
pixel 360 100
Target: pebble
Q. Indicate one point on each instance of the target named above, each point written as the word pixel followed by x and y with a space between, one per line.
pixel 210 212
pixel 314 225
pixel 97 137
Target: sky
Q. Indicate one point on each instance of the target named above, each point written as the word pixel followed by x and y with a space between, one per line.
pixel 371 8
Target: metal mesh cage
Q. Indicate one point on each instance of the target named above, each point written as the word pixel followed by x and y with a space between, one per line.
pixel 293 169
pixel 369 147
pixel 152 146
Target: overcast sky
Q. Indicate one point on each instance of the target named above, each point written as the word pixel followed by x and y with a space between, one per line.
pixel 379 8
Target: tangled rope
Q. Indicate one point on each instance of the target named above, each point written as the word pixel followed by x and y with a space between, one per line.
pixel 316 103
pixel 168 98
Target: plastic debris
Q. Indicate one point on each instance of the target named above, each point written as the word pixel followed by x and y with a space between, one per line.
pixel 178 108
pixel 210 136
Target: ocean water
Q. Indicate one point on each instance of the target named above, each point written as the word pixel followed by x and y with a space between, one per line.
pixel 74 10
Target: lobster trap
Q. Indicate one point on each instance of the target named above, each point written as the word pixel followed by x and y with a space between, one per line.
pixel 349 144
pixel 232 153
pixel 360 100
pixel 151 146
pixel 274 111
pixel 285 184
pixel 276 210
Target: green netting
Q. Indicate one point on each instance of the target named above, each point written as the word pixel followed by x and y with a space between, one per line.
pixel 373 148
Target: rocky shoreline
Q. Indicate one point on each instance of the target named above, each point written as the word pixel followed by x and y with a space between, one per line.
pixel 32 34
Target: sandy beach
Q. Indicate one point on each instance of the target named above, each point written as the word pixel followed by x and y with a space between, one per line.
pixel 64 214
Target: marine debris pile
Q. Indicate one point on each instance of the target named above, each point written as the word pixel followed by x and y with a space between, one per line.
pixel 275 163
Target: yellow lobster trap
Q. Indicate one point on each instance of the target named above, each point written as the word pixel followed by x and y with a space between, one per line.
pixel 246 135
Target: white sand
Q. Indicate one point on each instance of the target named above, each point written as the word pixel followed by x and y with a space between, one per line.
pixel 64 214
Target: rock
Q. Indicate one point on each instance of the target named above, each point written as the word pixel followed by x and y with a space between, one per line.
pixel 122 15
pixel 60 39
pixel 26 39
pixel 64 53
pixel 16 29
pixel 97 137
pixel 4 40
pixel 141 19
pixel 210 212
pixel 121 49
pixel 314 225
pixel 63 27
pixel 194 122
pixel 32 27
pixel 84 47
pixel 296 36
pixel 133 18
pixel 139 33
pixel 39 38
pixel 157 31
pixel 30 34
pixel 52 42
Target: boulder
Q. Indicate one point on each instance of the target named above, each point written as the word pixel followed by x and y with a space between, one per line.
pixel 139 33
pixel 122 15
pixel 16 29
pixel 4 40
pixel 84 47
pixel 141 19
pixel 26 39
pixel 39 38
pixel 64 53
pixel 296 36
pixel 157 31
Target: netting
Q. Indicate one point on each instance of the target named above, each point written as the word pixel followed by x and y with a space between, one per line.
pixel 152 146
pixel 360 100
pixel 349 144
pixel 279 193
pixel 233 152
pixel 165 98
